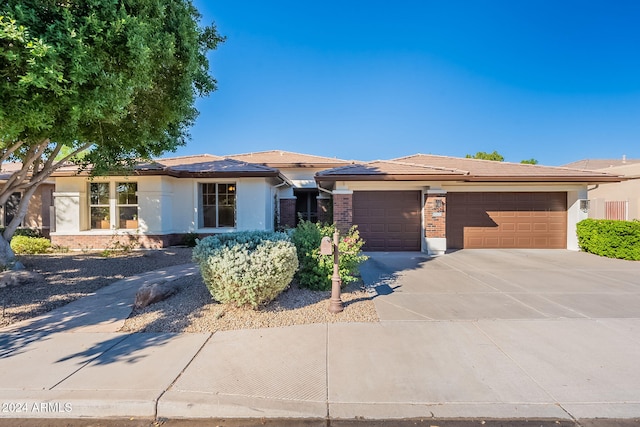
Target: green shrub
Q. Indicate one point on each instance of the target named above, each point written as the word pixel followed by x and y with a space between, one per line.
pixel 316 270
pixel 29 232
pixel 30 245
pixel 246 268
pixel 190 240
pixel 610 238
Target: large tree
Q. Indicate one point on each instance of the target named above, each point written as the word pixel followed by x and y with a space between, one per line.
pixel 115 79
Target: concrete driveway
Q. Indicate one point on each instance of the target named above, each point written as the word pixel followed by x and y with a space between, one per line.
pixel 503 284
pixel 497 333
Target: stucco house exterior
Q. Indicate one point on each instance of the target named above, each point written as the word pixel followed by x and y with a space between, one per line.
pixel 618 200
pixel 38 215
pixel 437 203
pixel 415 203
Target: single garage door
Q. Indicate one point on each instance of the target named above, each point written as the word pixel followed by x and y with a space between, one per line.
pixel 388 220
pixel 507 220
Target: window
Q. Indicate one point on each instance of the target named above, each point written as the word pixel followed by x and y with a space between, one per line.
pixel 10 208
pixel 99 205
pixel 217 205
pixel 124 207
pixel 127 204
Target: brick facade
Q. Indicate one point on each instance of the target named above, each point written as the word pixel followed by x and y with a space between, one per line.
pixel 105 241
pixel 287 213
pixel 343 211
pixel 435 215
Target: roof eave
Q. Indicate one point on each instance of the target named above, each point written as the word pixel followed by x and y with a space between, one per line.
pixel 469 178
pixel 387 177
pixel 560 178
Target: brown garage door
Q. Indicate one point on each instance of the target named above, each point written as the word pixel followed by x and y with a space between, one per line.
pixel 388 220
pixel 507 220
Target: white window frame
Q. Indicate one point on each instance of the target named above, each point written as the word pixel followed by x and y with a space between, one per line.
pixel 200 205
pixel 113 206
pixel 129 224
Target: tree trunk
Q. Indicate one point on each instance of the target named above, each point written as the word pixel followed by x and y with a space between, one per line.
pixel 7 257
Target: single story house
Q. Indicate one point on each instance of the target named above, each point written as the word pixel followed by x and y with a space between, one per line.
pixel 617 200
pixel 415 203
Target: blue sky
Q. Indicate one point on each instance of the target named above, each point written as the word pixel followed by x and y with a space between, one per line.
pixel 553 80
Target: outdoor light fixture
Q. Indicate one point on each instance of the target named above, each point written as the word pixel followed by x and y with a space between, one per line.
pixel 584 205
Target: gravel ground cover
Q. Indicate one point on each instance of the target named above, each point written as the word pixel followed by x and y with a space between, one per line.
pixel 62 278
pixel 193 310
pixel 66 277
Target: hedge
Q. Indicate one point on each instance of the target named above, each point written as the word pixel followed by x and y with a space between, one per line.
pixel 610 238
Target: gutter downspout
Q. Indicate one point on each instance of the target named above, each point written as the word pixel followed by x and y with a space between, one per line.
pixel 325 190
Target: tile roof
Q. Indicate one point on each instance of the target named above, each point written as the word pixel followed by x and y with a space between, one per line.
pixel 421 167
pixel 283 159
pixel 206 164
pixel 202 165
pixel 596 164
pixel 380 168
pixel 493 169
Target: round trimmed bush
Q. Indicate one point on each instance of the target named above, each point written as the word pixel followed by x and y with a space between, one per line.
pixel 246 268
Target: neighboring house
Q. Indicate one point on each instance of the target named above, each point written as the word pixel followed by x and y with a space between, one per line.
pixel 40 206
pixel 420 202
pixel 435 203
pixel 619 200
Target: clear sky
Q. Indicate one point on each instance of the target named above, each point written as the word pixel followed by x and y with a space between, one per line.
pixel 554 80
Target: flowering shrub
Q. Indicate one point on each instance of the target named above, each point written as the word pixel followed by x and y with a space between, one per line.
pixel 316 270
pixel 246 268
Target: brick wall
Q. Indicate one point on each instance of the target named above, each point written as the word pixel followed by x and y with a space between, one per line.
pixel 343 211
pixel 287 213
pixel 88 241
pixel 435 215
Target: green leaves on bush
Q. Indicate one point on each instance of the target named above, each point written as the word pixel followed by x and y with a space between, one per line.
pixel 246 268
pixel 30 245
pixel 316 270
pixel 610 238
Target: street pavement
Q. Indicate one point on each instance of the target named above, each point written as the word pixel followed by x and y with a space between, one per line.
pixel 486 334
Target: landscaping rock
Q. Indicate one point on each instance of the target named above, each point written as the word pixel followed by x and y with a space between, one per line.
pixel 18 277
pixel 150 293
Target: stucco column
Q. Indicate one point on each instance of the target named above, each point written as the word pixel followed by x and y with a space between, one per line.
pixel 435 221
pixel 68 215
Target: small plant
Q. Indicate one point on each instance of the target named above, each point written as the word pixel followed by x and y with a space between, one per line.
pixel 246 268
pixel 121 243
pixel 30 245
pixel 190 239
pixel 29 232
pixel 316 270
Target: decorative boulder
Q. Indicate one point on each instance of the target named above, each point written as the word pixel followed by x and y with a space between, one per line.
pixel 150 293
pixel 18 277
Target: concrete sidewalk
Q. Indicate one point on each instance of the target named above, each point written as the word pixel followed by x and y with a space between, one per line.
pixel 528 361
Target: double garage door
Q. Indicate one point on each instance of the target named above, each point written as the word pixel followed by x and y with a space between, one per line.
pixel 391 220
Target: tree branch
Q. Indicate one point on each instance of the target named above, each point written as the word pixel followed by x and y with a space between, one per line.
pixel 9 151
